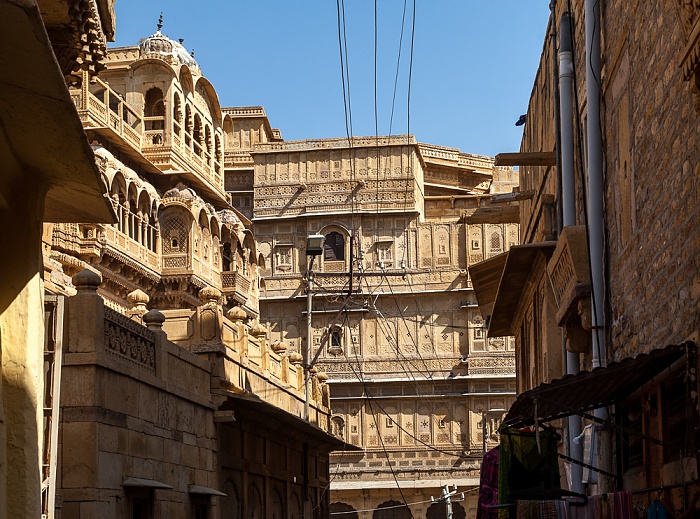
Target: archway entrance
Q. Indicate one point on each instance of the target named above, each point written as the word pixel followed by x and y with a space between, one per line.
pixel 392 510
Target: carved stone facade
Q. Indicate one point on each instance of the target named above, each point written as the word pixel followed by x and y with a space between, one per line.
pixel 187 409
pixel 415 382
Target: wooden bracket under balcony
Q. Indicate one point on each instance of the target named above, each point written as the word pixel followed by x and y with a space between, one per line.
pixel 536 158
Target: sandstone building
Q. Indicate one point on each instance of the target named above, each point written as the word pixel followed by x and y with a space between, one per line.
pixel 186 410
pixel 395 324
pixel 47 174
pixel 611 246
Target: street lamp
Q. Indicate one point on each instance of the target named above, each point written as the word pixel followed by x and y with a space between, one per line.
pixel 314 247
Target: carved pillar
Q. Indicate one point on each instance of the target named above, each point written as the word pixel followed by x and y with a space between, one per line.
pixel 125 218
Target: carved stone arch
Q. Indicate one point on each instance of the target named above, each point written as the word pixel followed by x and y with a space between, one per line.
pixel 175 227
pixel 228 132
pixel 276 510
pixel 207 139
pixel 254 503
pixel 154 103
pixel 198 134
pixel 204 88
pixel 343 510
pixel 177 114
pixel 186 81
pixel 118 186
pixel 336 249
pixel 232 502
pixel 392 510
pixel 294 507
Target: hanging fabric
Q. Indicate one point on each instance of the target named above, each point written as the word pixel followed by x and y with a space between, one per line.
pixel 488 486
pixel 528 468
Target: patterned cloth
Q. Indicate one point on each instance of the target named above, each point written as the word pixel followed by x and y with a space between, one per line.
pixel 616 505
pixel 537 510
pixel 488 486
pixel 523 466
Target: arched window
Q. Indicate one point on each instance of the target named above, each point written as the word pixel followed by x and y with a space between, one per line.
pixel 335 340
pixel 197 135
pixel 188 125
pixel 177 115
pixel 338 426
pixel 334 247
pixel 154 110
pixel 226 258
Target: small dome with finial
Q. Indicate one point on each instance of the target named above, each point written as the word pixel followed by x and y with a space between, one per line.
pixel 160 46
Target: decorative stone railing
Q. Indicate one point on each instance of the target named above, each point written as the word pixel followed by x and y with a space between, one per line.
pixel 355 142
pixel 98 335
pixel 101 107
pixel 244 361
pixel 127 341
pixel 245 111
pixel 113 237
pixel 178 155
pixel 238 159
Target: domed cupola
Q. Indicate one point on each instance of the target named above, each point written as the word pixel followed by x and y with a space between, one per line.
pixel 159 46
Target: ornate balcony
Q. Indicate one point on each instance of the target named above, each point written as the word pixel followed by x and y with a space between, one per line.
pixel 184 156
pixel 100 107
pixel 235 285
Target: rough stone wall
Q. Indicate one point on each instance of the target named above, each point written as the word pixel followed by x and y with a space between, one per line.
pixel 652 137
pixel 652 176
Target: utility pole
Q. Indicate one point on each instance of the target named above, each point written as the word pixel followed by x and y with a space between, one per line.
pixel 307 346
pixel 314 247
pixel 447 496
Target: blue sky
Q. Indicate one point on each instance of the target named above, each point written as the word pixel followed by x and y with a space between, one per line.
pixel 474 63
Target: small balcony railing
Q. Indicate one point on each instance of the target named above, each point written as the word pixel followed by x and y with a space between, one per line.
pixel 101 107
pixel 234 284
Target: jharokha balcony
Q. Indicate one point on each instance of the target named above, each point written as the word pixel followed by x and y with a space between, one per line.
pixel 101 108
pixel 236 285
pixel 170 146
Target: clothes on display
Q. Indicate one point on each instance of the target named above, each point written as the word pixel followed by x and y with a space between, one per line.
pixel 488 486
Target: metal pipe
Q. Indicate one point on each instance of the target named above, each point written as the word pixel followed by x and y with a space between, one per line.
pixel 568 209
pixel 596 218
pixel 595 178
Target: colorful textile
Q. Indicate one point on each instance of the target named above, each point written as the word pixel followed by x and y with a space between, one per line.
pixel 524 467
pixel 488 486
pixel 617 505
pixel 537 510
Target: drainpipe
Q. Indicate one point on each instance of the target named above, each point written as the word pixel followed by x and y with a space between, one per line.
pixel 566 80
pixel 595 216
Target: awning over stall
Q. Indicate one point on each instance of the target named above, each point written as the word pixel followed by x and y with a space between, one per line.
pixel 588 390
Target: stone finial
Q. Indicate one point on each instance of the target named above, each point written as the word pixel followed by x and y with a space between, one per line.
pixel 138 299
pixel 210 295
pixel 296 358
pixel 154 320
pixel 322 377
pixel 258 330
pixel 87 281
pixel 237 314
pixel 279 347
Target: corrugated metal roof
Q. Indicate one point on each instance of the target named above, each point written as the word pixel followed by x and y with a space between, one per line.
pixel 588 390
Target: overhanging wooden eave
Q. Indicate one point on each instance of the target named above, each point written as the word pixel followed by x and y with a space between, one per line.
pixel 535 158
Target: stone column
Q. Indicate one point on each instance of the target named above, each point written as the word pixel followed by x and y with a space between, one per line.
pixel 21 347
